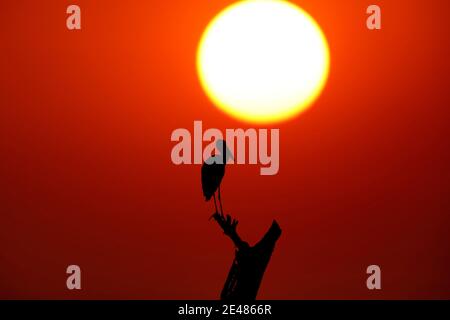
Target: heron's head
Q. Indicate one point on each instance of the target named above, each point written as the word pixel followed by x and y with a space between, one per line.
pixel 221 145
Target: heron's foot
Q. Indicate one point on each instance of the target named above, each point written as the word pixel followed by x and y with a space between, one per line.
pixel 216 216
pixel 229 225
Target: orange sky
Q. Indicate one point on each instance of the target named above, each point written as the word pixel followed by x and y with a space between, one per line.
pixel 86 176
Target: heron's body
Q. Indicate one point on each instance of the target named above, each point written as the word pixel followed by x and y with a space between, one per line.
pixel 213 170
pixel 212 175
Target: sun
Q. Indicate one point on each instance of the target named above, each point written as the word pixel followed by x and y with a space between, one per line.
pixel 263 60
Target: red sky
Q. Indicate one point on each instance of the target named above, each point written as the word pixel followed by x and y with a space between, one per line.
pixel 86 175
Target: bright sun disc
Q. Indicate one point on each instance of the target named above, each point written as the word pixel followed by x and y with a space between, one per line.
pixel 263 60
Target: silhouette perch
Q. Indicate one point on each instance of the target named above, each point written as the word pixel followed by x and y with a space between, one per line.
pixel 213 170
pixel 249 264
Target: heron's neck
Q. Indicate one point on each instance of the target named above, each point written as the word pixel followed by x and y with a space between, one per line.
pixel 219 158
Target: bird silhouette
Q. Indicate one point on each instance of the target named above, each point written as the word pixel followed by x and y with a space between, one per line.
pixel 213 171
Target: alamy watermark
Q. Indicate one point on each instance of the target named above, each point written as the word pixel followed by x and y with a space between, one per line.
pixel 250 146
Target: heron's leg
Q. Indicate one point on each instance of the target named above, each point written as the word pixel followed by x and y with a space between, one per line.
pixel 215 204
pixel 220 202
